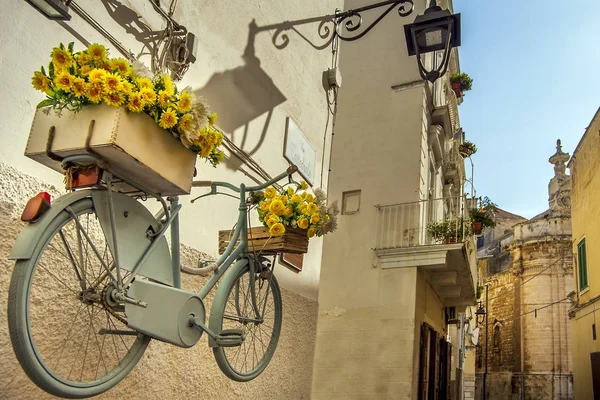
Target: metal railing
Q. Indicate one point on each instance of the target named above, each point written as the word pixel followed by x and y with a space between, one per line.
pixel 406 224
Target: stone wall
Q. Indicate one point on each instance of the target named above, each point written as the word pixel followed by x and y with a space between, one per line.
pixel 165 371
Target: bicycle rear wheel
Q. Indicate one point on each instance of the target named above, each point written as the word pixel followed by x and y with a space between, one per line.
pixel 67 333
pixel 236 310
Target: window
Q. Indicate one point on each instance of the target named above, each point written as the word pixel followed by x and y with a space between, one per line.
pixel 582 265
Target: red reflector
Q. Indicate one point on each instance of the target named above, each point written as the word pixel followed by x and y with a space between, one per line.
pixel 35 208
pixel 45 196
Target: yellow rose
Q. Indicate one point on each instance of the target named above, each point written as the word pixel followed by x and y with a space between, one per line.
pixel 312 208
pixel 270 193
pixel 264 206
pixel 315 218
pixel 289 211
pixel 302 223
pixel 277 229
pixel 303 185
pixel 309 197
pixel 277 207
pixel 290 191
pixel 311 232
pixel 296 198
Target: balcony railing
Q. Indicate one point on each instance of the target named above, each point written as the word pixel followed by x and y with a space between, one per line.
pixel 405 224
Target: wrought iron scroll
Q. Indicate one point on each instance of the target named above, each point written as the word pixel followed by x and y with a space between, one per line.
pixel 351 20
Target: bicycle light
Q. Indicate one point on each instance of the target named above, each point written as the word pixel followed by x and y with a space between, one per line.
pixel 36 207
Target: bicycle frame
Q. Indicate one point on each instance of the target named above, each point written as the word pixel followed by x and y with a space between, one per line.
pixel 171 220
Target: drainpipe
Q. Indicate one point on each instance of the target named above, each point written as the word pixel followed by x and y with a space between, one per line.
pixel 522 339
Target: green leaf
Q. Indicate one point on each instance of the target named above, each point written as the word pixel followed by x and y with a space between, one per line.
pixel 61 46
pixel 51 70
pixel 45 103
pixel 71 47
pixel 43 70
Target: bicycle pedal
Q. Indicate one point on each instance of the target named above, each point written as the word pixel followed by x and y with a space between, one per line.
pixel 230 338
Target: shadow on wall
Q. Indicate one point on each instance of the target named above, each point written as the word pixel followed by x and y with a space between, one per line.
pixel 244 93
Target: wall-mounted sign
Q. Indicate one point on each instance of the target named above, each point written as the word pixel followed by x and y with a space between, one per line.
pixel 298 151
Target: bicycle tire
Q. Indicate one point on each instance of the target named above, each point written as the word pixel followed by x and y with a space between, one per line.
pixel 228 299
pixel 32 352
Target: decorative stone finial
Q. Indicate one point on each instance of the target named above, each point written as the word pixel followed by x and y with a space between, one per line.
pixel 559 160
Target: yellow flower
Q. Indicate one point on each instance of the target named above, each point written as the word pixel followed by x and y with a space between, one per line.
pixel 94 92
pixel 112 83
pixel 185 102
pixel 270 193
pixel 302 223
pixel 86 69
pixel 303 185
pixel 308 197
pixel 264 206
pixel 40 82
pixel 97 75
pixel 311 232
pixel 82 58
pixel 211 137
pixel 168 119
pixel 168 83
pixel 212 119
pixel 277 230
pixel 220 156
pixel 219 138
pixel 303 209
pixel 185 122
pixel 120 64
pixel 136 103
pixel 277 207
pixel 64 80
pixel 272 221
pixel 289 211
pixel 96 52
pixel 79 87
pixel 164 98
pixel 148 95
pixel 127 87
pixel 144 83
pixel 315 218
pixel 296 198
pixel 283 198
pixel 290 191
pixel 61 58
pixel 205 152
pixel 114 99
pixel 312 208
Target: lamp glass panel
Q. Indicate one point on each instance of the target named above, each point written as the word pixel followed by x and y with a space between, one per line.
pixel 432 39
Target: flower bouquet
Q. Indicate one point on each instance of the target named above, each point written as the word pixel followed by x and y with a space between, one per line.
pixel 145 117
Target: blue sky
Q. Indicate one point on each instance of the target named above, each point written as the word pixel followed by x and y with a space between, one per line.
pixel 535 66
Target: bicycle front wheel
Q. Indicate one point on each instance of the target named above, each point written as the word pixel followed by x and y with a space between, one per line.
pixel 67 333
pixel 237 310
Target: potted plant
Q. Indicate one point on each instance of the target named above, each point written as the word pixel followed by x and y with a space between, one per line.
pixel 483 216
pixel 467 149
pixel 446 231
pixel 460 83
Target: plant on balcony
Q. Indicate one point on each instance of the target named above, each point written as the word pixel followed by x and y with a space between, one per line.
pixel 446 231
pixel 461 83
pixel 483 216
pixel 467 149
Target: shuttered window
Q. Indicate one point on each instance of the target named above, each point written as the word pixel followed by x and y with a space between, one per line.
pixel 582 265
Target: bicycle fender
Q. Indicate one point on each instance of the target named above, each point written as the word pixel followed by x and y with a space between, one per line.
pixel 214 322
pixel 29 237
pixel 132 222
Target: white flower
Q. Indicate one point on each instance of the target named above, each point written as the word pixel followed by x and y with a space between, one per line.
pixel 139 69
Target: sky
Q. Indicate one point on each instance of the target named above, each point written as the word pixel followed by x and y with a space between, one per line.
pixel 535 66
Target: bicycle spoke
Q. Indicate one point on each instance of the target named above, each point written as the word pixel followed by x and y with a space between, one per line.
pixel 55 277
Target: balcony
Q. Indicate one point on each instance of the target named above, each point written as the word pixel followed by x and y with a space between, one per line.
pixel 449 263
pixel 445 111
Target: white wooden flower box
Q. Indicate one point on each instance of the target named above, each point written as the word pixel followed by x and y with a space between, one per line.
pixel 131 143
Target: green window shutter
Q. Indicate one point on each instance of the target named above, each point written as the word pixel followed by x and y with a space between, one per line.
pixel 582 265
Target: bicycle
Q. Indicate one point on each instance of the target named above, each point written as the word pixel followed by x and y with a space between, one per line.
pixel 92 285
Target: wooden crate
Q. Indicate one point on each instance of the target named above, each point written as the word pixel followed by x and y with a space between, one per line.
pixel 131 143
pixel 259 239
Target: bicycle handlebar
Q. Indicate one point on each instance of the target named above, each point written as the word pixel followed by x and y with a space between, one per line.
pixel 291 169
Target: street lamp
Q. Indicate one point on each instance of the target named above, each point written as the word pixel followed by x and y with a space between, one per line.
pixel 435 30
pixel 480 313
pixel 52 9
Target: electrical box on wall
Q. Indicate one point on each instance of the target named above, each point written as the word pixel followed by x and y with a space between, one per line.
pixel 334 77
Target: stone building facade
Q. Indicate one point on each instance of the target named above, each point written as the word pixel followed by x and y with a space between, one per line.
pixel 527 277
